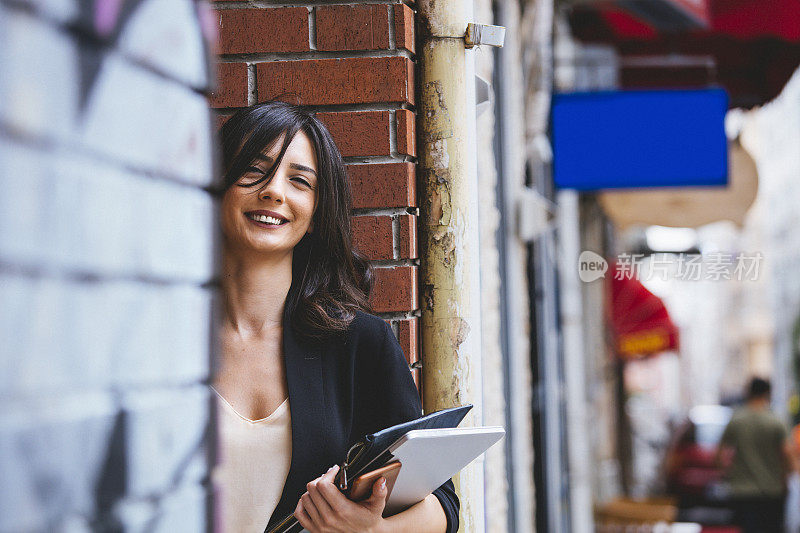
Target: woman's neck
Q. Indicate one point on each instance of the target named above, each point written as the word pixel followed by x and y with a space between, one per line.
pixel 254 289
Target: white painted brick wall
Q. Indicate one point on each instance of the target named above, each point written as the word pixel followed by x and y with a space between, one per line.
pixel 164 431
pixel 93 334
pixel 52 450
pixel 75 213
pixel 39 85
pixel 167 25
pixel 106 251
pixel 161 126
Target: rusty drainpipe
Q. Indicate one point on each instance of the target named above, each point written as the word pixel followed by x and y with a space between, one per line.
pixel 447 177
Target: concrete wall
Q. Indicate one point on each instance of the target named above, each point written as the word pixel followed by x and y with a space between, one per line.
pixel 105 244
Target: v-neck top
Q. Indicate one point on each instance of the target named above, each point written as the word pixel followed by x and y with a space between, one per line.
pixel 253 461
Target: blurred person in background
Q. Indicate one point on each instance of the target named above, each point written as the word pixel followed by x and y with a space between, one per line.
pixel 761 461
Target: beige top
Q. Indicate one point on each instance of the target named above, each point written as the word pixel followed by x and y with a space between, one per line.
pixel 253 462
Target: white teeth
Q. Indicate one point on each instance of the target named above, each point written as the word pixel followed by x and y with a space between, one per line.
pixel 266 219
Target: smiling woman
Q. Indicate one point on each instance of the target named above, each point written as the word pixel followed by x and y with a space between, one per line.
pixel 304 371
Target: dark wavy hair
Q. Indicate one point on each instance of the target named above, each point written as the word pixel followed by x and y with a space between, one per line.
pixel 330 280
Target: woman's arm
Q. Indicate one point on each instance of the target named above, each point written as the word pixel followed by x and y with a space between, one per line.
pixel 323 509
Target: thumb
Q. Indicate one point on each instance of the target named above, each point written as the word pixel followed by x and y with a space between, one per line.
pixel 378 497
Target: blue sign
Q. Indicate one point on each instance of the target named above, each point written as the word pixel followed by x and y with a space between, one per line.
pixel 635 139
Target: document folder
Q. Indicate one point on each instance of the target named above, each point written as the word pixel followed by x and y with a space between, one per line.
pixel 411 440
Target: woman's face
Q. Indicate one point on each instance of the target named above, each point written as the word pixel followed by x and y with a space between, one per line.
pixel 274 215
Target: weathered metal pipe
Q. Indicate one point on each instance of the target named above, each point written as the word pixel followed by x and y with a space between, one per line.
pixel 447 176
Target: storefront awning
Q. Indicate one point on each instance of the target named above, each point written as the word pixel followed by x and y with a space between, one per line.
pixel 640 323
pixel 749 47
pixel 688 207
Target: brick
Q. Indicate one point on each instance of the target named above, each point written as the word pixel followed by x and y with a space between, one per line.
pixel 151 354
pixel 407 236
pixel 160 26
pixel 383 185
pixel 41 101
pixel 64 11
pixel 160 126
pixel 231 88
pixel 162 229
pixel 395 289
pixel 164 432
pixel 406 132
pixel 181 510
pixel 250 31
pixel 359 133
pixel 353 27
pixel 408 337
pixel 404 27
pixel 132 347
pixel 372 236
pixel 53 449
pixel 355 80
pixel 139 237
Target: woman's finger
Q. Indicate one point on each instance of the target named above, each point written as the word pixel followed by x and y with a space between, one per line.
pixel 377 500
pixel 302 516
pixel 330 475
pixel 320 501
pixel 334 498
pixel 310 508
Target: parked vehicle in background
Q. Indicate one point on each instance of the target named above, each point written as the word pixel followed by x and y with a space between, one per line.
pixel 690 472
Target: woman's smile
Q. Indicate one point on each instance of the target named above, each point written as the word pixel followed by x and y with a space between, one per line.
pixel 266 219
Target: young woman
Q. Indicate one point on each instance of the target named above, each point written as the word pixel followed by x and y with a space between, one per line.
pixel 304 372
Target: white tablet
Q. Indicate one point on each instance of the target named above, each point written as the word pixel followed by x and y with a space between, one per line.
pixel 432 456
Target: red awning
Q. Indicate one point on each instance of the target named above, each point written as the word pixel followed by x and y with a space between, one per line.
pixel 740 19
pixel 750 47
pixel 639 320
pixel 747 19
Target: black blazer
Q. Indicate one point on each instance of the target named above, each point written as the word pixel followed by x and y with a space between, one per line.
pixel 340 390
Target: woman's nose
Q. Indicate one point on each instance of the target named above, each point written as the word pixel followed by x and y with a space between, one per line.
pixel 273 189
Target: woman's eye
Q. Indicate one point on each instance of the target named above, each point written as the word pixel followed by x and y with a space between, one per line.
pixel 301 180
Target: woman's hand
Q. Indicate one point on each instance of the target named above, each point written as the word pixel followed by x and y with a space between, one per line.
pixel 324 509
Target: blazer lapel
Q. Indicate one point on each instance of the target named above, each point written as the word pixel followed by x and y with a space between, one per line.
pixel 307 405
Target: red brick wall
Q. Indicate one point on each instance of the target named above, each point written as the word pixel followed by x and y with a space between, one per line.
pixel 355 64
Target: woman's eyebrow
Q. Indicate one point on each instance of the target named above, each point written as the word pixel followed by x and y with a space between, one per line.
pixel 298 166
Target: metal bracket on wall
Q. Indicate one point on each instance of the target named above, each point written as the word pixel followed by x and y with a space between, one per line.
pixel 478 34
pixel 484 95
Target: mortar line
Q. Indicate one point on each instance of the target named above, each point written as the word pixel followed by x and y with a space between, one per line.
pixel 279 5
pixel 396 236
pixel 264 57
pixel 393 150
pixel 252 85
pixel 312 28
pixel 392 38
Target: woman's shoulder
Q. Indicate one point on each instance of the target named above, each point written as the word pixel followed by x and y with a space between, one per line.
pixel 366 327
